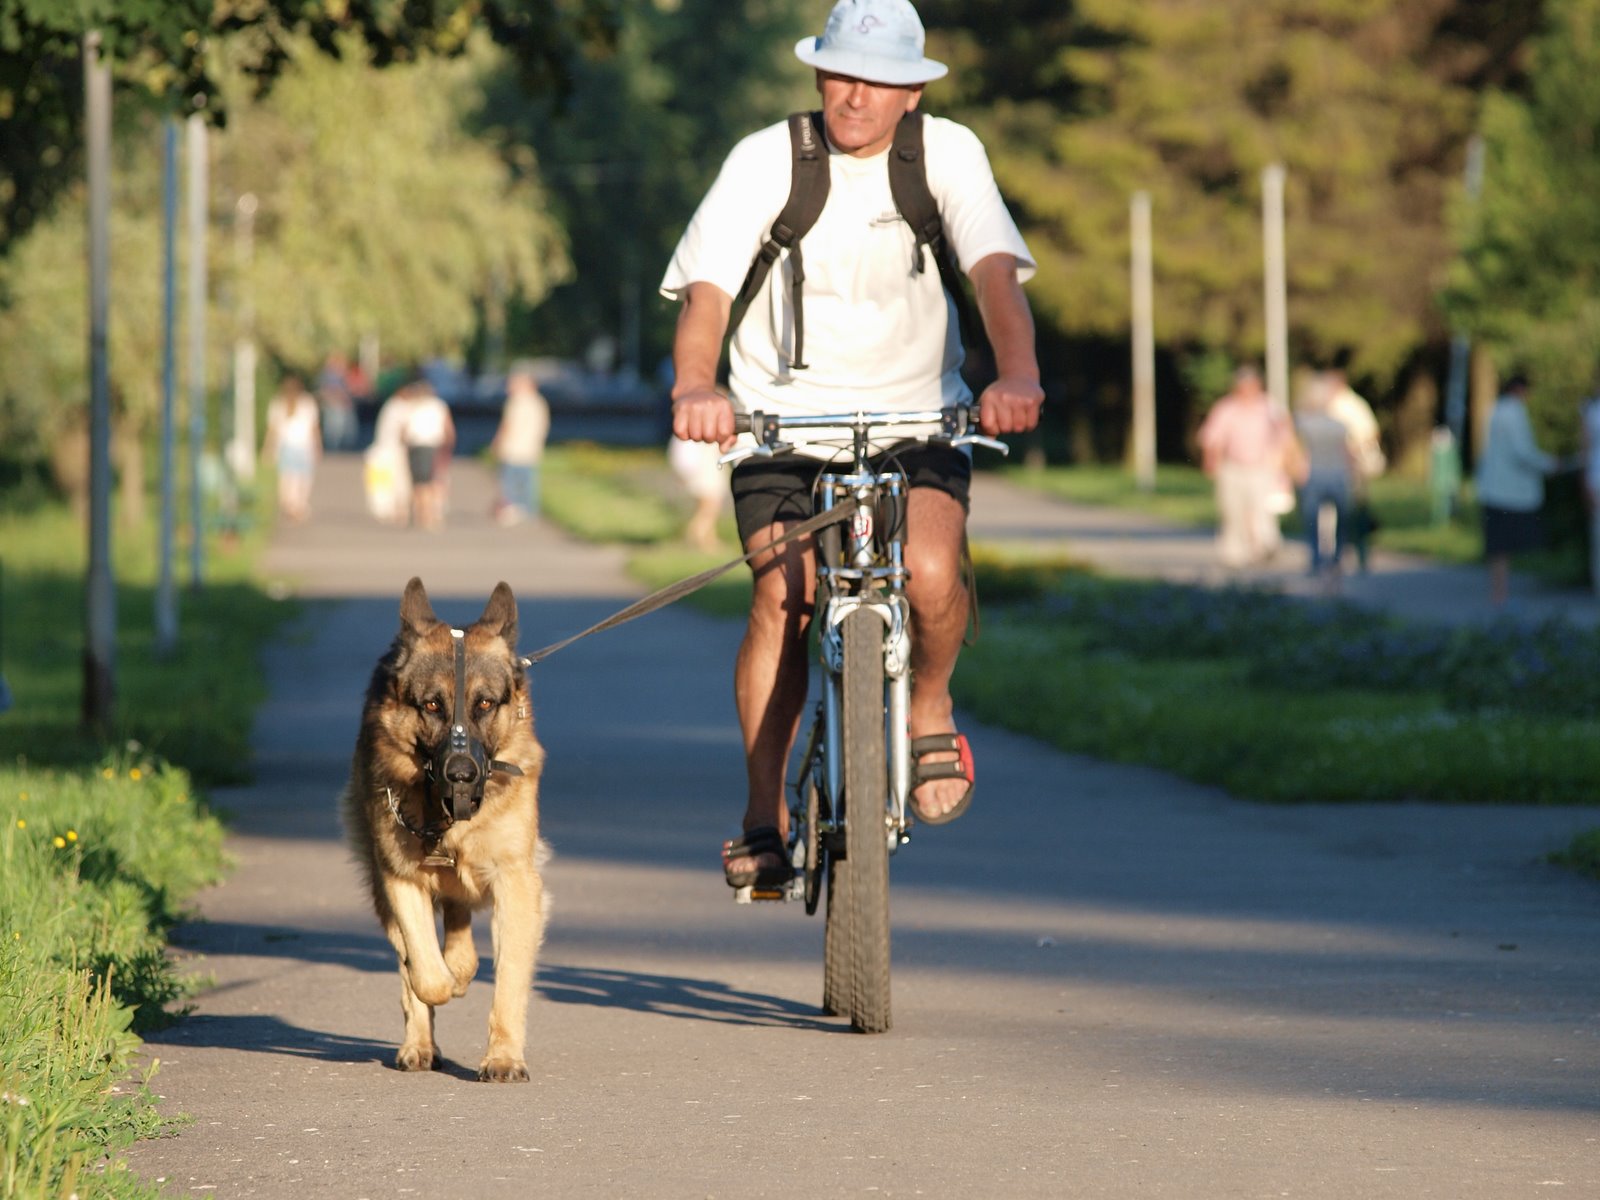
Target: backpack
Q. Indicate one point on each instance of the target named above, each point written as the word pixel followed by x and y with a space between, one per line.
pixel 808 193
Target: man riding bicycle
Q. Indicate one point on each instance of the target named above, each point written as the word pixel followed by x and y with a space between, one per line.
pixel 880 334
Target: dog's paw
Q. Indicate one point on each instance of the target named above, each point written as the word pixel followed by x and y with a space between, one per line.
pixel 417 1058
pixel 503 1070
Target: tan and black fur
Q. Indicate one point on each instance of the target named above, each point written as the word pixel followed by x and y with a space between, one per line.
pixel 497 852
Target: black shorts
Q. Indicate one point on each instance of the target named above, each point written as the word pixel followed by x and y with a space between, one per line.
pixel 769 490
pixel 1510 531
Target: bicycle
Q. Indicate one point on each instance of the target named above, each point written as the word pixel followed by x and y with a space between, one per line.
pixel 848 814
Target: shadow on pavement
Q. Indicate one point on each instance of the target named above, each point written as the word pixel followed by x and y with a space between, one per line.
pixel 675 996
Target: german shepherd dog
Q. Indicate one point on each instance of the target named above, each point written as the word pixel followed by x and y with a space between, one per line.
pixel 442 811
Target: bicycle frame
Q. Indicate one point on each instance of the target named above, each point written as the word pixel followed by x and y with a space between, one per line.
pixel 861 564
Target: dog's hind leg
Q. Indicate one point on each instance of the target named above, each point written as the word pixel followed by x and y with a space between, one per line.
pixel 518 929
pixel 460 954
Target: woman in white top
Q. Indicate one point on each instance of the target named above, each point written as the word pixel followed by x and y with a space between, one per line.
pixel 1510 487
pixel 294 442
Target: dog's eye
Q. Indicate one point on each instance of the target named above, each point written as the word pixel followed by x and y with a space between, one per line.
pixel 432 706
pixel 486 705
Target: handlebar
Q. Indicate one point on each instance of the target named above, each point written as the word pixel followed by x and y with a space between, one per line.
pixel 958 424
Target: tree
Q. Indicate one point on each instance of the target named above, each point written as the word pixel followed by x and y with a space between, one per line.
pixel 1527 278
pixel 376 212
pixel 1367 103
pixel 628 154
pixel 163 51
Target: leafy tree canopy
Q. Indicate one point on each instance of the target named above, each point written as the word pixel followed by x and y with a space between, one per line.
pixel 164 50
pixel 376 211
pixel 1527 279
pixel 1366 103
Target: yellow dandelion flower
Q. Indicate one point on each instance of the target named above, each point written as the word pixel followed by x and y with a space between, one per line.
pixel 136 774
pixel 108 773
pixel 21 824
pixel 60 842
pixel 22 795
pixel 16 937
pixel 72 835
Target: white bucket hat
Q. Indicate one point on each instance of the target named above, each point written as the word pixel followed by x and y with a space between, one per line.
pixel 876 40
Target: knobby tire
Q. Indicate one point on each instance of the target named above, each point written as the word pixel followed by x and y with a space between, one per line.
pixel 866 784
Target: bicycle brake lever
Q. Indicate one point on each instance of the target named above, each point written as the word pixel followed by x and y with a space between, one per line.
pixel 978 439
pixel 744 452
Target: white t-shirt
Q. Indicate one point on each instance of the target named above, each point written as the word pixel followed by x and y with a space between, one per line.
pixel 879 336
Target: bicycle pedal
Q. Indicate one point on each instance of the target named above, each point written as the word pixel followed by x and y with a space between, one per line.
pixel 750 894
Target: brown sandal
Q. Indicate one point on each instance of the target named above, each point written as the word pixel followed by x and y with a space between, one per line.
pixel 922 772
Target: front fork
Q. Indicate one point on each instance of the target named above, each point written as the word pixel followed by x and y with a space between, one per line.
pixel 895 612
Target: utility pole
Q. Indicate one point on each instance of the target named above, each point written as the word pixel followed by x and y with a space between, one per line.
pixel 242 447
pixel 1277 290
pixel 166 600
pixel 1455 392
pixel 198 213
pixel 100 645
pixel 1144 346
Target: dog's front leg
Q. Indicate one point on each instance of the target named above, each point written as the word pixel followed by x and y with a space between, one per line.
pixel 460 955
pixel 420 959
pixel 518 928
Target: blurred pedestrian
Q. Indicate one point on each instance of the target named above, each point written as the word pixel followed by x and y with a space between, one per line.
pixel 429 435
pixel 1510 486
pixel 519 446
pixel 338 409
pixel 1350 409
pixel 294 445
pixel 696 466
pixel 1245 446
pixel 1327 482
pixel 386 471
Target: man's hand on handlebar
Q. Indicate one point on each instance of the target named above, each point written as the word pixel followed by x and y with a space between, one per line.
pixel 1010 405
pixel 703 414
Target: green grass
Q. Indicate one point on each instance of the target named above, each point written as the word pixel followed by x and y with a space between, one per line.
pixel 1207 720
pixel 104 839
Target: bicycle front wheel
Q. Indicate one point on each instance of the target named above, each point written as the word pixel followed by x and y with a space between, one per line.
pixel 865 806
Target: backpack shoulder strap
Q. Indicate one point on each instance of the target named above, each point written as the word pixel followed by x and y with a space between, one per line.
pixel 808 193
pixel 908 184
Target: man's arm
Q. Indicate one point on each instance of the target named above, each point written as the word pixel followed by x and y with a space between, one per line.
pixel 1011 403
pixel 700 411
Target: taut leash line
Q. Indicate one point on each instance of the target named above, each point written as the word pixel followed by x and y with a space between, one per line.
pixel 682 588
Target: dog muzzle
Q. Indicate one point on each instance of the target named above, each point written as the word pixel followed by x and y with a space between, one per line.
pixel 459 769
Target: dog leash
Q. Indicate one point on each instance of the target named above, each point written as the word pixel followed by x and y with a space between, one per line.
pixel 677 591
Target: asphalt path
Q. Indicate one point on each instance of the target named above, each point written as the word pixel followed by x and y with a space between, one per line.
pixel 1107 982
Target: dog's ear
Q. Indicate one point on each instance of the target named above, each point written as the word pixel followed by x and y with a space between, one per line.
pixel 416 613
pixel 500 614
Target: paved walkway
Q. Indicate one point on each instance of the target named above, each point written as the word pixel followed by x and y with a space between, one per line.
pixel 1126 543
pixel 1108 982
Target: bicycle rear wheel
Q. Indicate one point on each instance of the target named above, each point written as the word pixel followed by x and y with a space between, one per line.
pixel 866 858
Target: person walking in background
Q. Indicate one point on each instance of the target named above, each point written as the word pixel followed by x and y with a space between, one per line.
pixel 338 408
pixel 1327 472
pixel 697 468
pixel 1244 444
pixel 519 446
pixel 1510 486
pixel 294 444
pixel 429 435
pixel 1350 409
pixel 387 473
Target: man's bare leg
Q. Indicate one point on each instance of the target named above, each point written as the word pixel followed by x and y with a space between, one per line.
pixel 936 530
pixel 769 678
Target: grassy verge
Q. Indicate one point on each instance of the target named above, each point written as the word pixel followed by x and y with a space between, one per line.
pixel 103 840
pixel 1582 854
